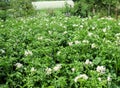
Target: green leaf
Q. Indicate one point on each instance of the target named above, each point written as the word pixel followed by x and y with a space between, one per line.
pixel 97 60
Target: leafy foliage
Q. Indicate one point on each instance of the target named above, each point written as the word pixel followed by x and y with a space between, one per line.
pixel 46 51
pixel 86 8
pixel 4 5
pixel 22 7
pixel 15 8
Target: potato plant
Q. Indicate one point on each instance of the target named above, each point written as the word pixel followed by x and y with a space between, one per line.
pixel 60 52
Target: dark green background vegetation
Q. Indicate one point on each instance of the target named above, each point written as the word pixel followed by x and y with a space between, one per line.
pixel 83 8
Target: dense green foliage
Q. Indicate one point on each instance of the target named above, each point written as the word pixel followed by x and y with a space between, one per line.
pixel 22 7
pixel 15 8
pixel 47 51
pixel 86 8
pixel 4 5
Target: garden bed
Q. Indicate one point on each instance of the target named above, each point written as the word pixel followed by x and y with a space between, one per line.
pixel 47 51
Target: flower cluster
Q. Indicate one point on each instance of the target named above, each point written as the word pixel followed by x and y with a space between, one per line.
pixel 70 43
pixel 99 79
pixel 101 69
pixel 40 38
pixel 81 76
pixel 93 45
pixel 33 69
pixel 73 69
pixel 48 71
pixel 88 62
pixel 18 65
pixel 90 34
pixel 109 79
pixel 77 42
pixel 28 52
pixel 85 41
pixel 2 51
pixel 55 69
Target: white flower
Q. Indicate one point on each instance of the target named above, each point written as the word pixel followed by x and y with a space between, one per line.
pixel 83 20
pixel 102 18
pixel 101 69
pixel 18 65
pixel 2 20
pixel 104 30
pixel 89 17
pixel 73 69
pixel 32 69
pixel 117 42
pixel 117 35
pixel 85 41
pixel 76 78
pixel 48 71
pixel 70 43
pixel 57 67
pixel 65 32
pixel 58 53
pixel 90 34
pixel 82 76
pixel 64 27
pixel 2 25
pixel 99 79
pixel 28 52
pixel 81 26
pixel 61 24
pixel 109 18
pixel 40 38
pixel 119 23
pixel 109 78
pixel 93 45
pixel 88 62
pixel 77 42
pixel 93 28
pixel 75 25
pixel 2 51
pixel 106 41
pixel 50 32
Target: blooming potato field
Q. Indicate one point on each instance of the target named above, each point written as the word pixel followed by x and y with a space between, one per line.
pixel 60 52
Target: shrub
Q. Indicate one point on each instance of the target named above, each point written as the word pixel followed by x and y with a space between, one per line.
pixel 21 8
pixel 15 8
pixel 80 9
pixel 4 5
pixel 86 8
